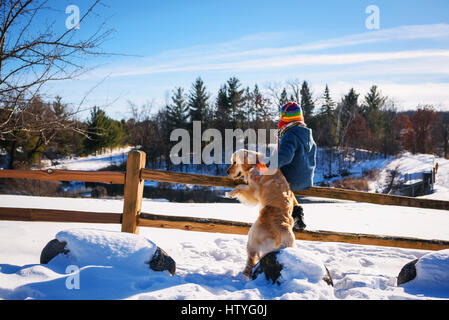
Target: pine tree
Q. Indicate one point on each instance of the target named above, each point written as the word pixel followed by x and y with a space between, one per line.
pixel 328 104
pixel 373 100
pixel 236 101
pixel 327 114
pixel 103 131
pixel 263 110
pixel 197 101
pixel 347 110
pixel 222 107
pixel 258 104
pixel 372 111
pixel 178 110
pixel 283 99
pixel 307 103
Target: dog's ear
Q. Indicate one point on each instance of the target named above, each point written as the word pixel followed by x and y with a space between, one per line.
pixel 253 157
pixel 242 156
pixel 246 156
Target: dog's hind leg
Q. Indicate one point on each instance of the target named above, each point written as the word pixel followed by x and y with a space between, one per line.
pixel 250 263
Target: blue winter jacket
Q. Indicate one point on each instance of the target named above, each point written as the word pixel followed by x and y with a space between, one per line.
pixel 297 157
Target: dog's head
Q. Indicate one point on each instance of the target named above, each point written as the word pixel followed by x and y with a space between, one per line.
pixel 242 161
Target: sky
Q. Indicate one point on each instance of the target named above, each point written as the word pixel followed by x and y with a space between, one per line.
pixel 160 45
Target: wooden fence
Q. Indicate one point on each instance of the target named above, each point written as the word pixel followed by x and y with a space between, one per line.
pixel 132 217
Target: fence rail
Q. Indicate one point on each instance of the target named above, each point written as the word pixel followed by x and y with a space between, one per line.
pixel 112 177
pixel 132 217
pixel 51 215
pixel 212 226
pixel 319 192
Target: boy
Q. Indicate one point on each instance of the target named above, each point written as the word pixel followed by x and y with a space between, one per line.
pixel 296 154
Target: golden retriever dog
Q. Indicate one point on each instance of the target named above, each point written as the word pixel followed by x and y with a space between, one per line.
pixel 270 190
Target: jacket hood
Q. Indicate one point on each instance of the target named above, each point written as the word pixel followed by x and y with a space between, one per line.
pixel 304 134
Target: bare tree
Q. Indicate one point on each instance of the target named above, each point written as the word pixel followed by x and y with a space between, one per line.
pixel 295 86
pixel 33 54
pixel 275 91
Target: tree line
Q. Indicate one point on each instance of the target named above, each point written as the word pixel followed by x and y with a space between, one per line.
pixel 369 122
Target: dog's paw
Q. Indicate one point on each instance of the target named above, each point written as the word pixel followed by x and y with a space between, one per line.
pixel 242 277
pixel 230 195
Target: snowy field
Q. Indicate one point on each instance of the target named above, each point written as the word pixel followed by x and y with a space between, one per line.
pixel 209 265
pixel 90 163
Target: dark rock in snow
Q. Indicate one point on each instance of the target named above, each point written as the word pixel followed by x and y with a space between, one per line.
pixel 408 272
pixel 271 268
pixel 52 249
pixel 162 261
pixel 159 262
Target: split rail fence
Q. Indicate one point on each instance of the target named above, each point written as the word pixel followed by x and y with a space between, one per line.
pixel 132 217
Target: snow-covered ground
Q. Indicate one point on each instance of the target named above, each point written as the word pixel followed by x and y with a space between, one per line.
pixel 90 163
pixel 209 265
pixel 411 164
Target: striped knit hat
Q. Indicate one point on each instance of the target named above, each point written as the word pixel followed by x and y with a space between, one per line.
pixel 291 112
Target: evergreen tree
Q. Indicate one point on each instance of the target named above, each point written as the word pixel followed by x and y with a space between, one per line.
pixel 307 103
pixel 371 111
pixel 222 107
pixel 328 121
pixel 235 96
pixel 373 100
pixel 347 110
pixel 283 99
pixel 197 101
pixel 103 131
pixel 178 110
pixel 258 104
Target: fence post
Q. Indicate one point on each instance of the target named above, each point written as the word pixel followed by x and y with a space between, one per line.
pixel 133 191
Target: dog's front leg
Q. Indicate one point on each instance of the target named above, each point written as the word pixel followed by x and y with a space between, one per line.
pixel 236 191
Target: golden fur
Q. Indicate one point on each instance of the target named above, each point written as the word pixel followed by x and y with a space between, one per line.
pixel 273 228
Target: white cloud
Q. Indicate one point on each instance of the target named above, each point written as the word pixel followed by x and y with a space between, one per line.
pixel 231 56
pixel 411 75
pixel 295 61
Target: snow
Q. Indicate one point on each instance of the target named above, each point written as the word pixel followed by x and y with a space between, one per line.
pixel 112 265
pixel 100 247
pixel 91 162
pixel 433 267
pixel 209 265
pixel 414 165
pixel 300 264
pixel 432 276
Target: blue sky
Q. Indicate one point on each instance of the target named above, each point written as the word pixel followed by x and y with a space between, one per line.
pixel 170 43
